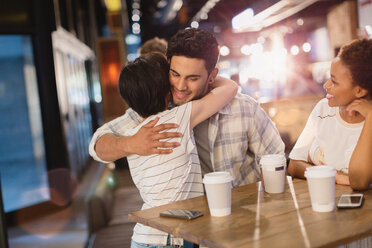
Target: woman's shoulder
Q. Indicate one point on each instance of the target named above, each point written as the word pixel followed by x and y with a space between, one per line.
pixel 322 109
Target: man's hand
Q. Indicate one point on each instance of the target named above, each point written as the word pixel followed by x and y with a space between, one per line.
pixel 147 140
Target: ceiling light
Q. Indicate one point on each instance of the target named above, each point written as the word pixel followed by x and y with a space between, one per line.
pixel 203 12
pixel 194 24
pixel 245 49
pixel 295 50
pixel 306 47
pixel 162 4
pixel 177 5
pixel 136 12
pixel 131 39
pixel 224 51
pixel 204 16
pixel 136 28
pixel 300 22
pixel 242 19
pixel 135 18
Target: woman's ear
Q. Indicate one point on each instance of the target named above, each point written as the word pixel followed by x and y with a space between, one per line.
pixel 360 92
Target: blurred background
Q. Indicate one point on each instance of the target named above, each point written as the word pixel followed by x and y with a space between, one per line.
pixel 60 61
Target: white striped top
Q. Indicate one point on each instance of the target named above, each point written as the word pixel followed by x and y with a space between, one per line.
pixel 164 178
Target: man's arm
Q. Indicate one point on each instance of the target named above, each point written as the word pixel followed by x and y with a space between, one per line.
pixel 145 142
pixel 263 136
pixel 109 143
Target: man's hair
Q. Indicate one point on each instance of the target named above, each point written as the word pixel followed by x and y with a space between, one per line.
pixel 144 84
pixel 357 56
pixel 153 45
pixel 195 43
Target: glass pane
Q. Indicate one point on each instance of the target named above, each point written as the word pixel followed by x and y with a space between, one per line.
pixel 22 155
pixel 74 104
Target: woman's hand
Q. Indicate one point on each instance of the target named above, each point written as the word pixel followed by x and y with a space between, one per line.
pixel 362 106
pixel 342 178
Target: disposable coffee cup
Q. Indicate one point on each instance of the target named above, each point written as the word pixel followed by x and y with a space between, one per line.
pixel 273 167
pixel 218 189
pixel 321 183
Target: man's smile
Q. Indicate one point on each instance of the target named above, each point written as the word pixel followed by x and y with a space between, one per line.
pixel 180 94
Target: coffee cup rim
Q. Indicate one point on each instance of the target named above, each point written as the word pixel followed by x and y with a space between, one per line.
pixel 273 160
pixel 320 171
pixel 217 177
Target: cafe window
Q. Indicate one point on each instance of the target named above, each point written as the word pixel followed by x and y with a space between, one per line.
pixel 22 151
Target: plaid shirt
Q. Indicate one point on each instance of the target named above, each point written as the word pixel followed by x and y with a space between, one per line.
pixel 239 134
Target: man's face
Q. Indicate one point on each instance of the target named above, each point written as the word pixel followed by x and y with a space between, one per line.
pixel 189 79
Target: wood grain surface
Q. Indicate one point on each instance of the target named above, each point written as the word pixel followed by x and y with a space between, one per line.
pixel 259 219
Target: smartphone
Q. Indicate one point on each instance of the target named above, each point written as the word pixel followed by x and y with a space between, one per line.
pixel 181 213
pixel 350 201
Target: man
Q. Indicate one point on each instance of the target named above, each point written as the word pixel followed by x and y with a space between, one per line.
pixel 232 140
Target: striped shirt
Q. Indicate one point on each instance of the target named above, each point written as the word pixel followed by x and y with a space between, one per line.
pixel 164 178
pixel 239 134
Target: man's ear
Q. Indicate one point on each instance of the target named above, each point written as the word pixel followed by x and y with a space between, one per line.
pixel 212 75
pixel 360 92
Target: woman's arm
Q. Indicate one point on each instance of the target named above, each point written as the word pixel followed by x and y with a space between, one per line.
pixel 360 166
pixel 297 168
pixel 223 92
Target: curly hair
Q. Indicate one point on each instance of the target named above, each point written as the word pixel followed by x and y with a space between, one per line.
pixel 195 43
pixel 357 56
pixel 153 45
pixel 144 84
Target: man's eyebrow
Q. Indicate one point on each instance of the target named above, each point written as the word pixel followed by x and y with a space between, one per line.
pixel 193 75
pixel 173 71
pixel 187 76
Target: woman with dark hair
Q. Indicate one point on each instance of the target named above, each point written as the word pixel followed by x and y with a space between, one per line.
pixel 339 130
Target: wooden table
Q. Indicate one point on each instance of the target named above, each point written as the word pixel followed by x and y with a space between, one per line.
pixel 259 219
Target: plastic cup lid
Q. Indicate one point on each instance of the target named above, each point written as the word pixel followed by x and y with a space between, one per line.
pixel 320 171
pixel 217 177
pixel 273 160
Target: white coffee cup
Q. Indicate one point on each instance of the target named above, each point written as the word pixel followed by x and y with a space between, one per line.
pixel 273 167
pixel 321 183
pixel 218 189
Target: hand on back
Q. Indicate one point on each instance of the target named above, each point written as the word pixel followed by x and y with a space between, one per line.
pixel 148 139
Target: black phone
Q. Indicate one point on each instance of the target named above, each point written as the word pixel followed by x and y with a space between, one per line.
pixel 350 201
pixel 181 213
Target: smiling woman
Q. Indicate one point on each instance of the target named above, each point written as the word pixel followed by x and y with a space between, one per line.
pixel 338 132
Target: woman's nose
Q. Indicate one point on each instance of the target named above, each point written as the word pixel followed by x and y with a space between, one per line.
pixel 327 84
